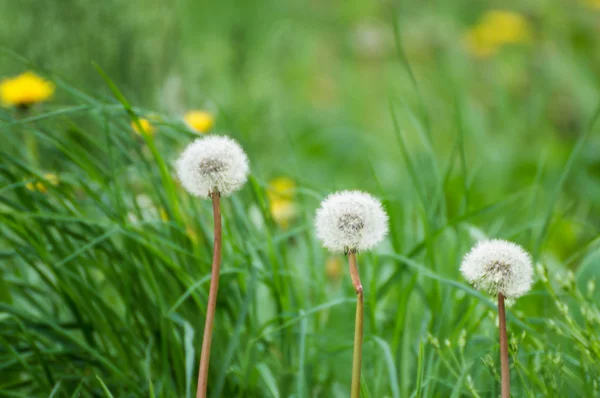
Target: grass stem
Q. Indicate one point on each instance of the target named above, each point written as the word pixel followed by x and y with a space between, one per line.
pixel 358 328
pixel 212 298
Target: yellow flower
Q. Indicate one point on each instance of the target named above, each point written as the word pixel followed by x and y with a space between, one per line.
pixel 283 212
pixel 333 268
pixel 146 126
pixel 506 27
pixel 281 188
pixel 281 194
pixel 40 186
pixel 477 43
pixel 25 90
pixel 199 121
pixel 496 29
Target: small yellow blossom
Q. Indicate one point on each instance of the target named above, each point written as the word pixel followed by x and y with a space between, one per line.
pixel 506 27
pixel 478 44
pixel 25 90
pixel 146 126
pixel 281 195
pixel 283 212
pixel 333 268
pixel 496 29
pixel 41 186
pixel 282 188
pixel 199 121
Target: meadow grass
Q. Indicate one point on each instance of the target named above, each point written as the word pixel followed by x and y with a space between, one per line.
pixel 104 276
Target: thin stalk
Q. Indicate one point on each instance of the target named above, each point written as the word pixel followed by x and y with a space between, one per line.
pixel 505 372
pixel 358 327
pixel 212 298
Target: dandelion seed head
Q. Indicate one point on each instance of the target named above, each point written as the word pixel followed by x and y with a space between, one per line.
pixel 498 266
pixel 213 164
pixel 351 221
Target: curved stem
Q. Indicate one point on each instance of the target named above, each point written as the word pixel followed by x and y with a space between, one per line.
pixel 212 299
pixel 358 327
pixel 505 370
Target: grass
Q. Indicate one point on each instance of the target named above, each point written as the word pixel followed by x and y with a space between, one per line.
pixel 104 277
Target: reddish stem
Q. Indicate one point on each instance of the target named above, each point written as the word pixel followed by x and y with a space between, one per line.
pixel 358 327
pixel 212 298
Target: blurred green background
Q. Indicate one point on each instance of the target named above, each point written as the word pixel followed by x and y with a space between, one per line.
pixel 316 80
pixel 466 119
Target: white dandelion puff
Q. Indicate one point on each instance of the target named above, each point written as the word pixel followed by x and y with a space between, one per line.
pixel 498 266
pixel 351 221
pixel 213 164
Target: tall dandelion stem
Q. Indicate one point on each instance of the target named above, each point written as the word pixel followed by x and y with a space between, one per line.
pixel 209 168
pixel 358 327
pixel 212 298
pixel 349 222
pixel 505 370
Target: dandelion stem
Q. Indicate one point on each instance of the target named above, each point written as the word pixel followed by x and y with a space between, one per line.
pixel 212 298
pixel 505 372
pixel 358 328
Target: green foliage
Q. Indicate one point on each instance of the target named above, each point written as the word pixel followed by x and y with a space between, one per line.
pixel 104 275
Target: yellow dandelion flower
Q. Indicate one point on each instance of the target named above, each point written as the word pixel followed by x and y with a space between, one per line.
pixel 282 188
pixel 25 90
pixel 476 42
pixel 30 186
pixel 199 121
pixel 496 29
pixel 146 126
pixel 283 212
pixel 41 186
pixel 505 27
pixel 281 193
pixel 334 268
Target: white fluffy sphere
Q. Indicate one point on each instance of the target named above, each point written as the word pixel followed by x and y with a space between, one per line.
pixel 213 164
pixel 351 221
pixel 498 266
